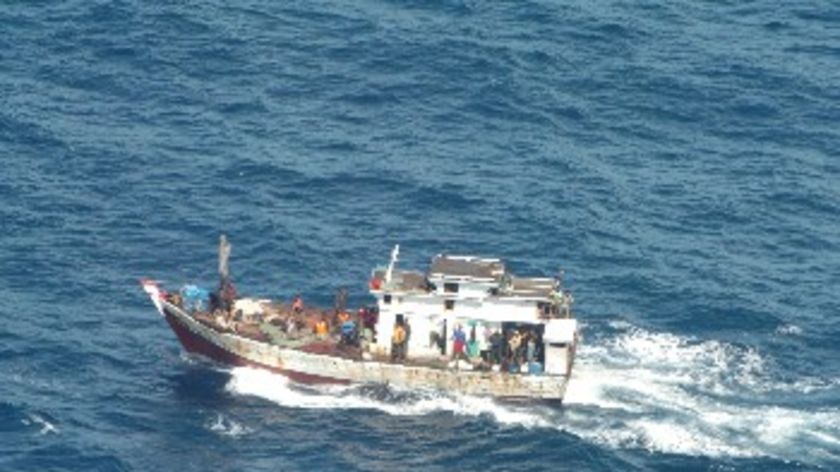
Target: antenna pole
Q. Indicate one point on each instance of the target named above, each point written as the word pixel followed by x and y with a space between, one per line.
pixel 394 254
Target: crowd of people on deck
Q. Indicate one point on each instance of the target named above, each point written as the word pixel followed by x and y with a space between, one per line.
pixel 509 349
pixel 348 329
pixel 294 322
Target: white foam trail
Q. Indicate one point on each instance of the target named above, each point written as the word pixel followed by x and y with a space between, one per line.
pixel 638 389
pixel 671 394
pixel 279 389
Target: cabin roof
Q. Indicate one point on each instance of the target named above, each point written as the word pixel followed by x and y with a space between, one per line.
pixel 467 266
pixel 404 280
pixel 532 286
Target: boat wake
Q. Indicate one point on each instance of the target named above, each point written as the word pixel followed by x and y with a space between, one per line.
pixel 671 394
pixel 631 389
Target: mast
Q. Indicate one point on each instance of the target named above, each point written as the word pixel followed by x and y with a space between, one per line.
pixel 226 292
pixel 224 257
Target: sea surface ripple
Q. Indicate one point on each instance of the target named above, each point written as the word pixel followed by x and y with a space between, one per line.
pixel 678 160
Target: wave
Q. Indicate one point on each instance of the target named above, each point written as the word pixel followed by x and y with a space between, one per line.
pixel 34 419
pixel 227 426
pixel 633 389
pixel 789 329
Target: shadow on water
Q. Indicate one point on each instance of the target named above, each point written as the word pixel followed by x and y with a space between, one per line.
pixel 201 381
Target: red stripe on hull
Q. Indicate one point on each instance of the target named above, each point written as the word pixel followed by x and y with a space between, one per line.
pixel 196 344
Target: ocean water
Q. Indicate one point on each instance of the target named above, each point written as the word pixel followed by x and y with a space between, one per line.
pixel 678 160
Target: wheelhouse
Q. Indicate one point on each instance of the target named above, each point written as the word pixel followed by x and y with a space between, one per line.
pixel 482 299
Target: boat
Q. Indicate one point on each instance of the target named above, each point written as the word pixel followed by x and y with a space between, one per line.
pixel 466 325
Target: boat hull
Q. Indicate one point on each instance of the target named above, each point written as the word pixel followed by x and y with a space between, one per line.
pixel 312 368
pixel 196 344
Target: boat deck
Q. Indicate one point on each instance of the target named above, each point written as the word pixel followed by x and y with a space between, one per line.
pixel 305 340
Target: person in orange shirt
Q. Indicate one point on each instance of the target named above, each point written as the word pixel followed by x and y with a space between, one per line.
pixel 321 328
pixel 398 343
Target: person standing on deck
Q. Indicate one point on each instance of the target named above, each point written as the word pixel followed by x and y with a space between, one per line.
pixel 297 304
pixel 473 351
pixel 484 344
pixel 348 333
pixel 361 317
pixel 321 328
pixel 459 341
pixel 291 325
pixel 513 343
pixel 531 347
pixel 398 343
pixel 496 347
pixel 367 325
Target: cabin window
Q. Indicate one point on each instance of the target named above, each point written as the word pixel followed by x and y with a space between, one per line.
pixel 450 287
pixel 386 299
pixel 449 305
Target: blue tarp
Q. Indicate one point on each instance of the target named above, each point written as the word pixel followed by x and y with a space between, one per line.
pixel 194 296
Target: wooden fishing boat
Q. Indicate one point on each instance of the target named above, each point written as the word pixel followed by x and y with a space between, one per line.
pixel 466 325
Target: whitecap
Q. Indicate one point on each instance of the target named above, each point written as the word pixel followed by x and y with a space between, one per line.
pixel 789 329
pixel 227 426
pixel 46 426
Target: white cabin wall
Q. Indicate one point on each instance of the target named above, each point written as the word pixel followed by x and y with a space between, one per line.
pixel 426 312
pixel 384 330
pixel 498 311
pixel 473 291
pixel 556 360
pixel 423 314
pixel 419 344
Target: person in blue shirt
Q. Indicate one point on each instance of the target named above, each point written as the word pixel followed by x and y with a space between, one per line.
pixel 348 332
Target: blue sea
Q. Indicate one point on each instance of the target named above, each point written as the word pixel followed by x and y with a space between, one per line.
pixel 677 160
